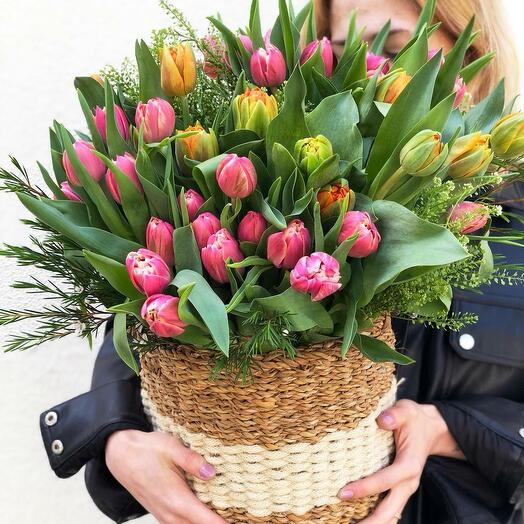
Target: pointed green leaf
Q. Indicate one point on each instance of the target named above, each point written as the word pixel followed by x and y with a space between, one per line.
pixel 121 342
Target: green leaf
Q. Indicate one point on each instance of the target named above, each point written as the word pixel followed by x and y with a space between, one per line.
pixel 303 313
pixel 130 307
pixel 469 72
pixel 324 174
pixel 331 238
pixel 106 207
pixel 91 90
pixel 115 143
pixel 414 57
pixel 409 108
pixel 407 242
pixel 115 273
pixel 354 292
pixel 251 261
pixel 283 162
pixel 426 16
pixel 208 305
pixel 251 279
pixel 317 228
pixel 337 130
pixel 342 251
pixel 378 351
pixel 133 202
pixel 290 35
pixel 58 168
pixel 270 213
pixel 95 135
pixel 279 129
pixel 205 176
pixel 57 192
pixel 187 254
pixel 453 64
pixel 255 29
pixel 91 238
pixel 230 40
pixel 381 38
pixel 357 70
pixel 273 195
pixel 122 344
pixel 301 204
pixel 483 116
pixel 148 73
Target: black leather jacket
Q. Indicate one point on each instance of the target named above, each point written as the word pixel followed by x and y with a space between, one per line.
pixel 474 377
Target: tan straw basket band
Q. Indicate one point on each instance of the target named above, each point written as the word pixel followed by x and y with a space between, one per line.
pixel 289 401
pixel 296 479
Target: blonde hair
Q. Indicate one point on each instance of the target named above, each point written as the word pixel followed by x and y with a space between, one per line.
pixel 454 16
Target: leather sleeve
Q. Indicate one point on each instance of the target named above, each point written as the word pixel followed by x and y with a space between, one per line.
pixel 489 431
pixel 80 427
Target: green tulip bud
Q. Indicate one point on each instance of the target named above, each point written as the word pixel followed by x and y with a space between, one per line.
pixel 254 110
pixel 311 152
pixel 507 137
pixel 424 154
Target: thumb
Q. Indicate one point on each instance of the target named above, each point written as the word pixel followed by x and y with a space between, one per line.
pixel 395 416
pixel 191 461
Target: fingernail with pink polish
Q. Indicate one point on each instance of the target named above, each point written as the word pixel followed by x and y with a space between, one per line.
pixel 207 471
pixel 345 494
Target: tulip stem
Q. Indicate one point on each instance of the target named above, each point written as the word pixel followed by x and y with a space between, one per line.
pixel 185 111
pixel 389 184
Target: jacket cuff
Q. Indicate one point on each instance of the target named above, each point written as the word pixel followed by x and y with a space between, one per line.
pixel 110 497
pixel 489 432
pixel 117 404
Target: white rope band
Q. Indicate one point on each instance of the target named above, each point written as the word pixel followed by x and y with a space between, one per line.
pixel 293 479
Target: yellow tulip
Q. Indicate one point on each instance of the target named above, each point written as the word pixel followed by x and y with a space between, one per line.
pixel 391 86
pixel 470 156
pixel 178 70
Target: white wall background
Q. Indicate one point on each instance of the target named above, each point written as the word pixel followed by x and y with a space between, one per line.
pixel 43 46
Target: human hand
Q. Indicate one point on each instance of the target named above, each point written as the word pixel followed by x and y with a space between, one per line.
pixel 420 431
pixel 150 466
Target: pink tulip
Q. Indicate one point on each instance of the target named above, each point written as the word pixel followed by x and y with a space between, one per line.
pixel 470 216
pixel 285 248
pixel 205 225
pixel 126 164
pixel 194 201
pixel 236 176
pixel 247 43
pixel 268 67
pixel 368 237
pixel 85 153
pixel 373 62
pixel 460 89
pixel 157 117
pixel 326 53
pixel 252 227
pixel 159 239
pixel 317 274
pixel 120 118
pixel 161 314
pixel 220 247
pixel 68 192
pixel 148 271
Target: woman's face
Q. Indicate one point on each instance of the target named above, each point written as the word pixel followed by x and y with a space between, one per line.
pixel 373 14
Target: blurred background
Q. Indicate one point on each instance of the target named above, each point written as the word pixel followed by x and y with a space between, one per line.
pixel 43 46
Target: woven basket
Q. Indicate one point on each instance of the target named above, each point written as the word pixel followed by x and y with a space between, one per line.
pixel 285 444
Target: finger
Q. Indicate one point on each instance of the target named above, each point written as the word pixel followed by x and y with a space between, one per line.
pixel 379 482
pixel 190 508
pixel 395 416
pixel 191 461
pixel 389 509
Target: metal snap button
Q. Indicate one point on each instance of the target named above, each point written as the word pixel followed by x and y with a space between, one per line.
pixel 51 418
pixel 57 447
pixel 521 432
pixel 466 341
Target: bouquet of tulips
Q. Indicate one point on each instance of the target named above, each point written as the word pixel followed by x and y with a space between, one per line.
pixel 244 192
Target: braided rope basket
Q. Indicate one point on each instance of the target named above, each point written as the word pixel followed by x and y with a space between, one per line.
pixel 284 444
